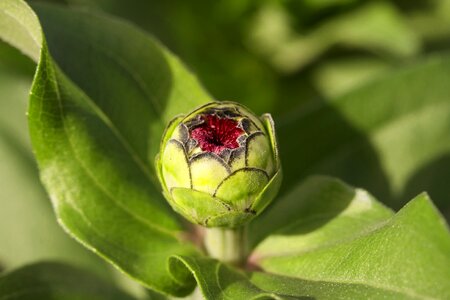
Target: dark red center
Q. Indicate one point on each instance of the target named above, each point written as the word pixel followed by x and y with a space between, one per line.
pixel 217 134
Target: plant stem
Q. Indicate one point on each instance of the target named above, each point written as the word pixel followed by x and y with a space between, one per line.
pixel 227 245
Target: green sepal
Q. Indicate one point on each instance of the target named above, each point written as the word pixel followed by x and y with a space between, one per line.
pixel 169 131
pixel 208 170
pixel 181 133
pixel 165 137
pixel 158 167
pixel 258 153
pixel 195 151
pixel 197 206
pixel 175 166
pixel 231 219
pixel 237 159
pixel 240 189
pixel 268 193
pixel 247 113
pixel 199 110
pixel 171 202
pixel 270 128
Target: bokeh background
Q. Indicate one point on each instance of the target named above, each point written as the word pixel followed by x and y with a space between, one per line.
pixel 295 59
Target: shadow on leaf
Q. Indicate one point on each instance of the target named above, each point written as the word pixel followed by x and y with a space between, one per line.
pixel 432 178
pixel 321 198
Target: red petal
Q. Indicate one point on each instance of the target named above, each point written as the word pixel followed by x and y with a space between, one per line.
pixel 217 134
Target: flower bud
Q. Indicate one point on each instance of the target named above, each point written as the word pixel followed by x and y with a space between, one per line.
pixel 219 165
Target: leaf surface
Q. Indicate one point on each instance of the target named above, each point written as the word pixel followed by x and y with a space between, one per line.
pixel 20 27
pixel 354 249
pixel 319 211
pixel 56 281
pixel 28 229
pixel 220 281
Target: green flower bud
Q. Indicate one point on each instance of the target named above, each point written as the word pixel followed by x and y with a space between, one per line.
pixel 219 165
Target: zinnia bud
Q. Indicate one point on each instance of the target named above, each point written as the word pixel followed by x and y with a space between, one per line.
pixel 219 165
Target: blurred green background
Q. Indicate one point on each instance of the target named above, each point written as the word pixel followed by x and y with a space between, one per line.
pixel 283 57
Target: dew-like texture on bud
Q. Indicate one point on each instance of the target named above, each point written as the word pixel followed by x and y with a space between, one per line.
pixel 219 165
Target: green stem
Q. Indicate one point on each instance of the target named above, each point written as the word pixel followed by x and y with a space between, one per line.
pixel 227 245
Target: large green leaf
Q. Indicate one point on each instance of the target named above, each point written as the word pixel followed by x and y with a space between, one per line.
pixel 319 211
pixel 28 229
pixel 219 281
pixel 355 249
pixel 404 257
pixel 96 115
pixel 384 136
pixel 56 281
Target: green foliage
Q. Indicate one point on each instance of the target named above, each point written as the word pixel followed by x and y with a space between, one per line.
pixel 347 238
pixel 28 229
pixel 56 281
pixel 100 99
pixel 380 136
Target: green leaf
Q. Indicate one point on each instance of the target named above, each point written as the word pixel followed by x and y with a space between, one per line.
pixel 380 28
pixel 95 127
pixel 344 245
pixel 336 77
pixel 28 229
pixel 219 281
pixel 20 27
pixel 383 136
pixel 325 209
pixel 56 281
pixel 298 287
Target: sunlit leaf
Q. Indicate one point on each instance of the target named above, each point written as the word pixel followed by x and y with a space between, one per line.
pixel 28 228
pixel 402 257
